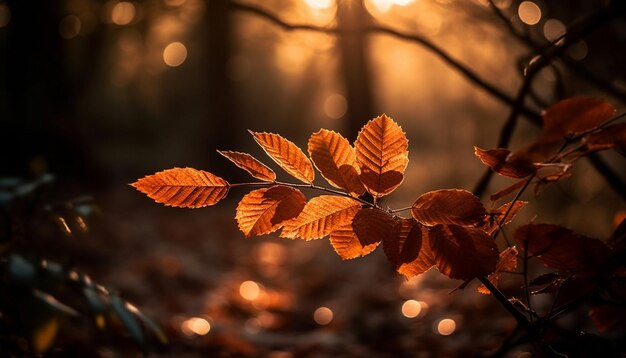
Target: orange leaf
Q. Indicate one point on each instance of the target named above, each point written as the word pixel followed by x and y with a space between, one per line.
pixel 250 164
pixel 334 157
pixel 371 226
pixel 183 187
pixel 346 244
pixel 495 216
pixel 408 248
pixel 506 263
pixel 502 162
pixel 382 153
pixel 448 206
pixel 264 211
pixel 563 249
pixel 286 154
pixel 320 216
pixel 610 137
pixel 461 252
pixel 575 115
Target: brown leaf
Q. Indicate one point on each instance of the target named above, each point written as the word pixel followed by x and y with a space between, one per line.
pixel 372 225
pixel 286 154
pixel 461 252
pixel 334 157
pixel 501 161
pixel 408 248
pixel 346 244
pixel 507 262
pixel 563 249
pixel 382 153
pixel 321 216
pixel 264 211
pixel 506 191
pixel 250 164
pixel 576 115
pixel 611 137
pixel 183 187
pixel 496 215
pixel 448 206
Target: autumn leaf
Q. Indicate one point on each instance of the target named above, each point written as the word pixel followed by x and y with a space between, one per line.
pixel 495 216
pixel 286 154
pixel 382 153
pixel 575 115
pixel 250 164
pixel 507 262
pixel 408 248
pixel 346 244
pixel 563 249
pixel 506 191
pixel 264 211
pixel 321 216
pixel 503 162
pixel 334 157
pixel 371 225
pixel 611 137
pixel 448 206
pixel 183 187
pixel 461 252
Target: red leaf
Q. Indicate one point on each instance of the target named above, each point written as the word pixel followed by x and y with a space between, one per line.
pixel 610 137
pixel 501 161
pixel 372 225
pixel 408 248
pixel 496 216
pixel 576 115
pixel 449 206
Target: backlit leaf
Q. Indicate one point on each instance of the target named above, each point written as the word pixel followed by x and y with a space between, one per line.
pixel 321 216
pixel 448 206
pixel 503 162
pixel 506 263
pixel 576 115
pixel 286 154
pixel 611 137
pixel 461 252
pixel 334 157
pixel 506 191
pixel 250 164
pixel 372 226
pixel 408 248
pixel 183 187
pixel 563 249
pixel 496 216
pixel 346 244
pixel 382 153
pixel 264 211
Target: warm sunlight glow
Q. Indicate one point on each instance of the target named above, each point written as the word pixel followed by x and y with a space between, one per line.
pixel 402 2
pixel 195 325
pixel 529 12
pixel 252 326
pixel 249 290
pixel 175 54
pixel 446 327
pixel 553 29
pixel 411 308
pixel 5 15
pixel 123 13
pixel 69 27
pixel 379 5
pixel 323 316
pixel 319 4
pixel 335 106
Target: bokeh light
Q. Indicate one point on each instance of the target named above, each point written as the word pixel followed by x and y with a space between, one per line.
pixel 69 27
pixel 175 54
pixel 323 316
pixel 553 29
pixel 249 290
pixel 123 13
pixel 195 326
pixel 578 51
pixel 411 308
pixel 335 106
pixel 319 4
pixel 5 15
pixel 446 327
pixel 529 12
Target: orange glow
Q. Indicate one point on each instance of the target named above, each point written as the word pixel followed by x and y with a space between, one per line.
pixel 553 29
pixel 335 106
pixel 529 12
pixel 5 15
pixel 253 326
pixel 249 290
pixel 446 327
pixel 123 13
pixel 69 27
pixel 411 309
pixel 195 325
pixel 175 54
pixel 323 316
pixel 319 4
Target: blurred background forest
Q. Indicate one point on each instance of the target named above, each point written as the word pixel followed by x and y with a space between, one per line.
pixel 95 94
